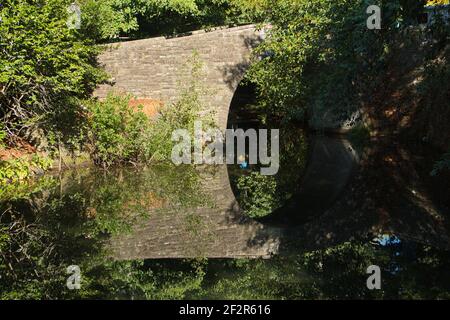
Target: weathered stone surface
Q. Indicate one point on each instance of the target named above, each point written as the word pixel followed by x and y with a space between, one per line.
pixel 218 230
pixel 152 68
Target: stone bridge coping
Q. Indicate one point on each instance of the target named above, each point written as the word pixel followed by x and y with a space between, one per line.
pixel 185 35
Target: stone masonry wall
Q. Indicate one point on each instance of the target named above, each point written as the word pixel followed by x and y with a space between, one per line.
pixel 154 68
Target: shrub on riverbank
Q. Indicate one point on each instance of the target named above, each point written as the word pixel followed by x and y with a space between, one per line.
pixel 44 65
pixel 117 133
pixel 18 169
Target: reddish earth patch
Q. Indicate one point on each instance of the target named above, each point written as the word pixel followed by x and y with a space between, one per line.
pixel 22 149
pixel 151 107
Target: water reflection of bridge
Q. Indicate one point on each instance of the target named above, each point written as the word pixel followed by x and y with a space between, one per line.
pixel 216 231
pixel 222 231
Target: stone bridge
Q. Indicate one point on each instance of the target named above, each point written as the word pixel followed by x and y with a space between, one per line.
pixel 220 230
pixel 154 68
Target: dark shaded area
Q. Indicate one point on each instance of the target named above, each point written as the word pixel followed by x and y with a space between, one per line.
pixel 331 163
pixel 243 108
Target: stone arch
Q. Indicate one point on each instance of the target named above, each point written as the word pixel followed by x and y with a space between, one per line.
pixel 153 68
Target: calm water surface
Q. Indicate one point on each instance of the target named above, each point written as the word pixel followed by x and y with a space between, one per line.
pixel 167 232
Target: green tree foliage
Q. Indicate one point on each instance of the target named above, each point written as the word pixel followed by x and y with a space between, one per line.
pixel 319 55
pixel 45 67
pixel 109 19
pixel 316 54
pixel 437 2
pixel 116 133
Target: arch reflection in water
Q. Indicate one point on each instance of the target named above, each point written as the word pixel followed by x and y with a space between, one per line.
pixel 215 228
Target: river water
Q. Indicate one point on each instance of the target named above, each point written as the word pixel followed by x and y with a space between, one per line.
pixel 166 232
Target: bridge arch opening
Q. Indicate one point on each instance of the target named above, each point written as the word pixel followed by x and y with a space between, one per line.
pixel 313 170
pixel 243 111
pixel 256 194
